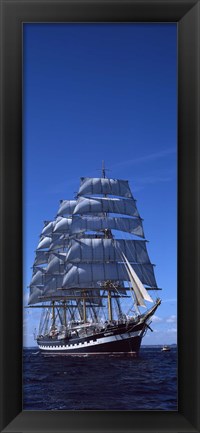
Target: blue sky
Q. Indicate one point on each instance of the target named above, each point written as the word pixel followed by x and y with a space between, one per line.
pixel 94 92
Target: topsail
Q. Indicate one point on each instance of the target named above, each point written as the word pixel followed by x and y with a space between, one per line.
pixel 93 186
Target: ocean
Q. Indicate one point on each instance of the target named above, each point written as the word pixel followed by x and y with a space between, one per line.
pixel 60 382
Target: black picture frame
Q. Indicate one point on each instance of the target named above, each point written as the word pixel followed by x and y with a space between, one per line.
pixel 187 15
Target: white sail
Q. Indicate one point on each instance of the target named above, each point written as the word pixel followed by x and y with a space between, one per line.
pixel 52 290
pixel 46 292
pixel 41 257
pixel 100 205
pixel 37 278
pixel 56 264
pixel 92 223
pixel 107 250
pixel 83 272
pixel 93 185
pixel 48 228
pixel 59 241
pixel 63 225
pixel 137 294
pixel 53 283
pixel 137 284
pixel 35 294
pixel 66 207
pixel 44 243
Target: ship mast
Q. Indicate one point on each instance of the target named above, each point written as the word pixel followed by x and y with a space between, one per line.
pixel 65 314
pixel 53 315
pixel 109 306
pixel 103 170
pixel 110 316
pixel 84 307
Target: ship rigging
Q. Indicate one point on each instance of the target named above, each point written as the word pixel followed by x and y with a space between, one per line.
pixel 92 266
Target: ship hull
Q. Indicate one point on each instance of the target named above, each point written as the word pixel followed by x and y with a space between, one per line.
pixel 111 341
pixel 122 338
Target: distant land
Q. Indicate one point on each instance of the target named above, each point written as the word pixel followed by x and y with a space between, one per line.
pixel 158 345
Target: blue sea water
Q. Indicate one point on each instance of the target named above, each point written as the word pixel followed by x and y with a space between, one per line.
pixel 60 382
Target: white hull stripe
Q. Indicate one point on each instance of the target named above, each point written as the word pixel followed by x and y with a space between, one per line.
pixel 99 341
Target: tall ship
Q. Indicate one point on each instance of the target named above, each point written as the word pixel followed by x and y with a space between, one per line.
pixel 92 276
